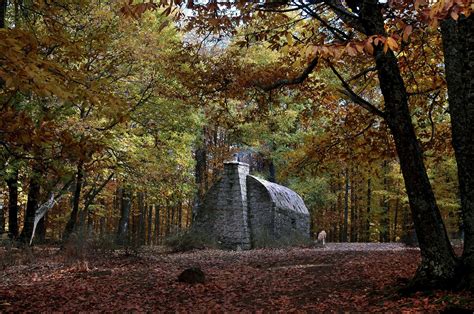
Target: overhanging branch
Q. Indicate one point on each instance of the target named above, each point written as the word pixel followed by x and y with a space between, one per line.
pixel 340 35
pixel 354 97
pixel 297 80
pixel 347 17
pixel 355 77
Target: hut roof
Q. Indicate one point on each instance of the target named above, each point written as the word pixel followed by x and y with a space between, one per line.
pixel 283 197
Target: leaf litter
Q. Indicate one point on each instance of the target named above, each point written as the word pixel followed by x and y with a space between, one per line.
pixel 340 277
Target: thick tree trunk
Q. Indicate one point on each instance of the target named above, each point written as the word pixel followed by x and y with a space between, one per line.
pixel 458 45
pixel 200 171
pixel 12 184
pixel 3 12
pixel 41 229
pixel 200 175
pixel 75 203
pixel 438 265
pixel 31 205
pixel 126 205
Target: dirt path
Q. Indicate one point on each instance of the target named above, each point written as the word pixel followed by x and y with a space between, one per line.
pixel 366 247
pixel 339 277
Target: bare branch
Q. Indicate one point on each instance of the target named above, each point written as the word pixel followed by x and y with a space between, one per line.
pixel 355 77
pixel 143 98
pixel 336 32
pixel 346 16
pixel 430 115
pixel 94 192
pixel 298 80
pixel 426 91
pixel 354 97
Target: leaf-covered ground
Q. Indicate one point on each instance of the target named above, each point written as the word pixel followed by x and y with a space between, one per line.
pixel 340 277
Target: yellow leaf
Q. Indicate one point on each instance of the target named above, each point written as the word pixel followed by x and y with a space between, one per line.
pixel 289 39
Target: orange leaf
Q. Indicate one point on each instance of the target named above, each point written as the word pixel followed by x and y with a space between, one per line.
pixel 351 51
pixel 454 15
pixel 369 48
pixel 392 44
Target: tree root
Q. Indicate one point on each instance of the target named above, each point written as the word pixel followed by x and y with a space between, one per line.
pixel 427 278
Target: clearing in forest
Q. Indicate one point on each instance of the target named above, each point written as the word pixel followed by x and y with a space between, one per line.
pixel 340 277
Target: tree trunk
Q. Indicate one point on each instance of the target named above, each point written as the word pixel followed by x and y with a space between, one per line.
pixel 12 184
pixel 200 170
pixel 41 228
pixel 126 204
pixel 339 212
pixel 438 265
pixel 168 219
pixel 271 171
pixel 90 220
pixel 346 206
pixel 353 209
pixel 369 206
pixel 173 218
pixel 157 224
pixel 150 220
pixel 75 203
pixel 141 221
pixel 3 12
pixel 32 204
pixel 395 219
pixel 458 45
pixel 180 214
pixel 385 218
pixel 102 226
pixel 89 200
pixel 2 218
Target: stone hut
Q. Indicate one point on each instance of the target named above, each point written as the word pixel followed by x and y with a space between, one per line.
pixel 243 211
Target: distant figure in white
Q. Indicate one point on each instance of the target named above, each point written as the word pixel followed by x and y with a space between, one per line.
pixel 322 237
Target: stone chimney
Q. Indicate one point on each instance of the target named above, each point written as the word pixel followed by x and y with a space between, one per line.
pixel 233 198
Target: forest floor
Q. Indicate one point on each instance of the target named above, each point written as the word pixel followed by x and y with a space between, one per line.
pixel 340 277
